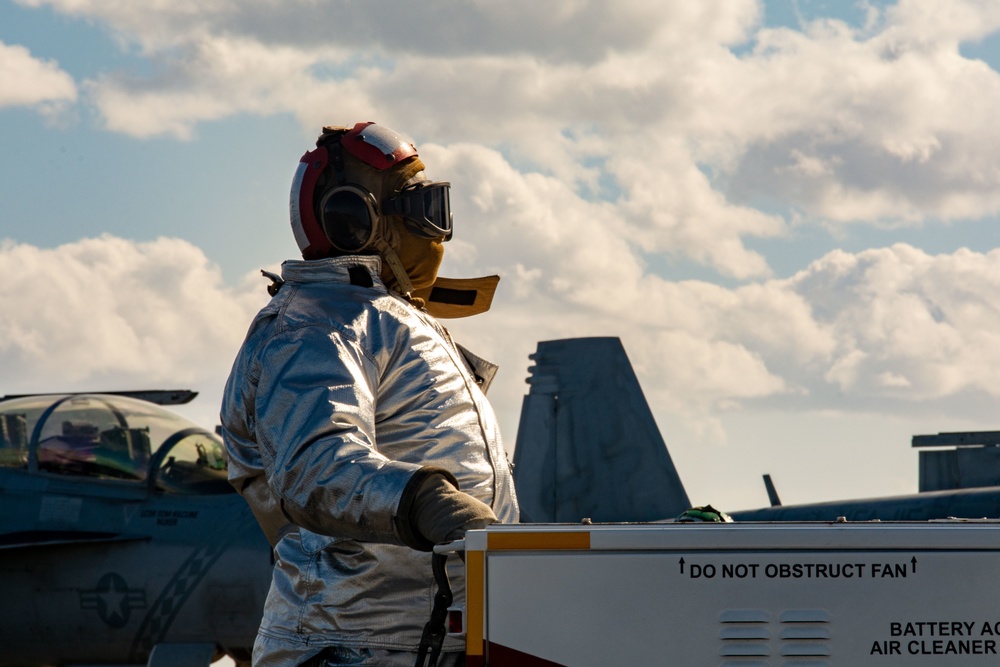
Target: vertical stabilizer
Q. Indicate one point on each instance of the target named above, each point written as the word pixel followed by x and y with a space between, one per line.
pixel 587 444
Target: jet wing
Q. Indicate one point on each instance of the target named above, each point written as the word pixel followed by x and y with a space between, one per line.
pixel 49 538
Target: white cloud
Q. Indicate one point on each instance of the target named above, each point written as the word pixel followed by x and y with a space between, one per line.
pixel 858 126
pixel 562 30
pixel 892 329
pixel 214 79
pixel 959 21
pixel 908 324
pixel 110 314
pixel 586 142
pixel 646 106
pixel 28 81
pixel 559 85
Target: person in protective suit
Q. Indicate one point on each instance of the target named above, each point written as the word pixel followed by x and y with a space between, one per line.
pixel 358 431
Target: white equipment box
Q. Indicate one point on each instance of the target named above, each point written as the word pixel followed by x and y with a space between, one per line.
pixel 733 595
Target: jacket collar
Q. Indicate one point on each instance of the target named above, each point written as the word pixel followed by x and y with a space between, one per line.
pixel 446 298
pixel 332 269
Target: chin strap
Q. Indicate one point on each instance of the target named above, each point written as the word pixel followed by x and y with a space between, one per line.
pixel 389 256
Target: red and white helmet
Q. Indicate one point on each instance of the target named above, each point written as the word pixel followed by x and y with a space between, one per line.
pixel 342 189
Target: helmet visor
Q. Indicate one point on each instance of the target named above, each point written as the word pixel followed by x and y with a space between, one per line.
pixel 425 207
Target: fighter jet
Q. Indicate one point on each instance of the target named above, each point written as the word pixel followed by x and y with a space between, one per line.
pixel 121 540
pixel 589 448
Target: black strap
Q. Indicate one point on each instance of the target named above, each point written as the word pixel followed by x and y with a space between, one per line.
pixel 434 631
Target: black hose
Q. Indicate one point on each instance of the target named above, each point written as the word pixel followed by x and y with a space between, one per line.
pixel 434 630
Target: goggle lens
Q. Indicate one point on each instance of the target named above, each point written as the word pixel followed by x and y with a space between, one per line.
pixel 426 209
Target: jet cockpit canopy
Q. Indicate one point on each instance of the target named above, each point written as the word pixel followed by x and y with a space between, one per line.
pixel 111 437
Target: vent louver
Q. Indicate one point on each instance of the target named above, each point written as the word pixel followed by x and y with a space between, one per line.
pixel 802 638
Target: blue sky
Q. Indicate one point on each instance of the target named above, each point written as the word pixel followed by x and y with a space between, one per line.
pixel 786 209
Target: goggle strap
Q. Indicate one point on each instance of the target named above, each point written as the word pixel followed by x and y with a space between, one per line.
pixel 393 206
pixel 396 266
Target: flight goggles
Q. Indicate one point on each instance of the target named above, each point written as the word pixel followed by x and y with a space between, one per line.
pixel 425 208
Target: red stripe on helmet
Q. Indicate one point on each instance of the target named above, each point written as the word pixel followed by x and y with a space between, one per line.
pixel 302 213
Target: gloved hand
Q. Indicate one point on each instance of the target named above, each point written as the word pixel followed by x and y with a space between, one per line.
pixel 442 513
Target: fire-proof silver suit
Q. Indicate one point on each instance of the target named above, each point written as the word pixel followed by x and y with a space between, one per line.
pixel 342 399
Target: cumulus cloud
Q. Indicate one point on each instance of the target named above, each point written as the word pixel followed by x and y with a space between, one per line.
pixel 891 328
pixel 588 144
pixel 215 78
pixel 907 324
pixel 850 127
pixel 28 81
pixel 686 116
pixel 434 27
pixel 888 328
pixel 110 314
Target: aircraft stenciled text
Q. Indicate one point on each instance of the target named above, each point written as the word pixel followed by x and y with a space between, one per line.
pixel 947 638
pixel 807 570
pixel 168 517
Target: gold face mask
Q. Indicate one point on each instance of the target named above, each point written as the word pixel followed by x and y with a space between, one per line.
pixel 445 298
pixel 450 298
pixel 420 259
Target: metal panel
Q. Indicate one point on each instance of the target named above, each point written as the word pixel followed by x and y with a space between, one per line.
pixel 748 594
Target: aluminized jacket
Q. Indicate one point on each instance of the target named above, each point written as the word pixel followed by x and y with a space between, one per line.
pixel 342 399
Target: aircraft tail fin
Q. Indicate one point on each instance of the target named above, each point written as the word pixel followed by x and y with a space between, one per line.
pixel 587 444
